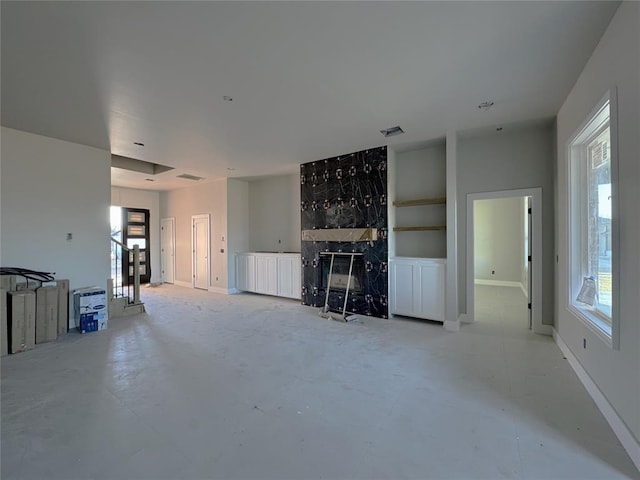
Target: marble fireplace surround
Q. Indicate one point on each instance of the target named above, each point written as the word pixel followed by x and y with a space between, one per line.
pixel 344 209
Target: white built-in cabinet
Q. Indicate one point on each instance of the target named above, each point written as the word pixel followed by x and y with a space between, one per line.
pixel 266 274
pixel 246 272
pixel 417 224
pixel 277 274
pixel 289 281
pixel 417 287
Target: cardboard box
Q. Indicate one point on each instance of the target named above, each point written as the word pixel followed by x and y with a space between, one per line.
pixel 90 309
pixel 22 320
pixel 28 285
pixel 63 303
pixel 8 282
pixel 46 314
pixel 4 333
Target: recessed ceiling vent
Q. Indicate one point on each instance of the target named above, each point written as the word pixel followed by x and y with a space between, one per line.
pixel 190 177
pixel 392 132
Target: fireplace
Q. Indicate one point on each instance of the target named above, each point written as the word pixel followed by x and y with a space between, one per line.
pixel 343 208
pixel 340 275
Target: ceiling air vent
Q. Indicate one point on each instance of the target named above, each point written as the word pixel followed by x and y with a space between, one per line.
pixel 390 132
pixel 190 177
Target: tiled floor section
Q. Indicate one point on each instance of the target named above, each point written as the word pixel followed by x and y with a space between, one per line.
pixel 247 386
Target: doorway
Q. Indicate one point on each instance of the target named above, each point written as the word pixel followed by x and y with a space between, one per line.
pixel 168 249
pixel 200 248
pixel 130 226
pixel 504 254
pixel 136 231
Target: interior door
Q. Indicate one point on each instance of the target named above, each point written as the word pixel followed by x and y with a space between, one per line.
pixel 529 263
pixel 135 230
pixel 167 249
pixel 200 244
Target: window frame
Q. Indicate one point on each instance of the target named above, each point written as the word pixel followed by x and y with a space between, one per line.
pixel 577 219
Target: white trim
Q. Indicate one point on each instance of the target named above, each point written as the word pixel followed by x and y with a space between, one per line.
pixel 183 284
pixel 452 309
pixel 524 290
pixel 628 441
pixel 498 283
pixel 451 325
pixel 573 249
pixel 536 265
pixel 464 318
pixel 224 291
pixel 593 323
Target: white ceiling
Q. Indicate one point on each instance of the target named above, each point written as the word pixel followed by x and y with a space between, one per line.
pixel 309 80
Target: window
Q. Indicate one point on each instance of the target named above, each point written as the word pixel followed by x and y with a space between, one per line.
pixel 592 225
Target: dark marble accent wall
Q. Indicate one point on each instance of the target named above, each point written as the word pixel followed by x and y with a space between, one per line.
pixel 349 191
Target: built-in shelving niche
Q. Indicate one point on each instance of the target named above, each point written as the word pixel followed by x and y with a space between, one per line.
pixel 420 203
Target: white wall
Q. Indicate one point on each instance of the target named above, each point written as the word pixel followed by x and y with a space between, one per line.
pixel 421 174
pixel 508 160
pixel 50 188
pixel 274 214
pixel 614 63
pixel 198 199
pixel 237 225
pixel 132 198
pixel 498 245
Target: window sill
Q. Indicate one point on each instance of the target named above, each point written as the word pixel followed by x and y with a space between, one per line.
pixel 593 322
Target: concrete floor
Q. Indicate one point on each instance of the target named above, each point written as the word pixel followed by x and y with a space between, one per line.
pixel 248 386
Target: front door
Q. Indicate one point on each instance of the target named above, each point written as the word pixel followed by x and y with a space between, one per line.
pixel 135 230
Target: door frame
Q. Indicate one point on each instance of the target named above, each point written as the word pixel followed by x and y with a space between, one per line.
pixel 146 251
pixel 535 234
pixel 193 249
pixel 171 220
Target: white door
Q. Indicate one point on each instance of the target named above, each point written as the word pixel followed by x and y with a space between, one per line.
pixel 167 249
pixel 246 272
pixel 403 298
pixel 289 276
pixel 430 290
pixel 529 269
pixel 200 247
pixel 266 275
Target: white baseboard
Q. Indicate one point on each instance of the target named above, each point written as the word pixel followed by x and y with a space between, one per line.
pixel 524 290
pixel 451 325
pixel 183 284
pixel 497 283
pixel 223 291
pixel 465 318
pixel 544 330
pixel 628 441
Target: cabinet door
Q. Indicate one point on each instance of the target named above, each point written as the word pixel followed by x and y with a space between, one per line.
pixel 431 291
pixel 403 298
pixel 289 276
pixel 266 275
pixel 245 273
